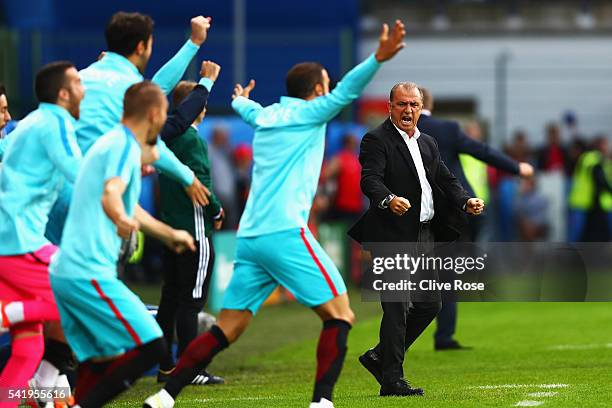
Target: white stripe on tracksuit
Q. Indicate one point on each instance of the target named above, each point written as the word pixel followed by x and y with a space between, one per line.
pixel 204 251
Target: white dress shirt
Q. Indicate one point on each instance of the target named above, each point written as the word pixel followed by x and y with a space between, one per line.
pixel 427 204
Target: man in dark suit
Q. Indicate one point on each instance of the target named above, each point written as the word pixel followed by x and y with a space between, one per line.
pixel 413 198
pixel 452 141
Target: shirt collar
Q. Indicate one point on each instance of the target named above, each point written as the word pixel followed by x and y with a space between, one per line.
pixel 417 132
pixel 62 112
pixel 425 112
pixel 119 60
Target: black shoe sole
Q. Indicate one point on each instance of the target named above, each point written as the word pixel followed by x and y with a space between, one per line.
pixel 368 365
pixel 415 392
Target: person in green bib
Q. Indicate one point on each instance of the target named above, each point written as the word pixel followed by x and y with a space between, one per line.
pixel 590 199
pixel 187 275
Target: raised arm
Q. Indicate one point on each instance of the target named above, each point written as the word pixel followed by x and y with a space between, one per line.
pixel 190 108
pixel 171 73
pixel 324 108
pixel 246 108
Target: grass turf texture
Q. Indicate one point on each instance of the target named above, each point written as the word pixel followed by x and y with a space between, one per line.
pixel 273 364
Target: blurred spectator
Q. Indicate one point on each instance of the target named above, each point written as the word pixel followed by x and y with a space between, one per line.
pixel 243 157
pixel 531 212
pixel 519 149
pixel 223 175
pixel 576 145
pixel 345 170
pixel 552 156
pixel 590 199
pixel 507 187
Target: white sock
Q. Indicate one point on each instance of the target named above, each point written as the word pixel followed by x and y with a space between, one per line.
pixel 14 313
pixel 46 375
pixel 166 399
pixel 62 387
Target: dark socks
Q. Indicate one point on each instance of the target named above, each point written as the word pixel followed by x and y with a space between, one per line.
pixel 60 355
pixel 331 351
pixel 99 383
pixel 195 358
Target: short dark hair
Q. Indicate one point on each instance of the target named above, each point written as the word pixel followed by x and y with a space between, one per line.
pixel 125 30
pixel 2 89
pixel 50 79
pixel 139 98
pixel 181 91
pixel 302 78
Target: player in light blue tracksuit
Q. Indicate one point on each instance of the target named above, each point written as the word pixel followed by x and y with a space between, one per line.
pixel 274 244
pixel 129 38
pixel 110 330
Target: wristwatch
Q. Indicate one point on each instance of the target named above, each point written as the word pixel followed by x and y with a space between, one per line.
pixel 384 204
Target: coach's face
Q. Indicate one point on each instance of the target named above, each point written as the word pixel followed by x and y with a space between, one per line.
pixel 405 109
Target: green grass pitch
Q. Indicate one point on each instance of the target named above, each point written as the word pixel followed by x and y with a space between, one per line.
pixel 522 348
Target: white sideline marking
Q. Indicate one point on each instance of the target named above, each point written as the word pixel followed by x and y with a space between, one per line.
pixel 495 387
pixel 200 400
pixel 542 394
pixel 580 346
pixel 528 403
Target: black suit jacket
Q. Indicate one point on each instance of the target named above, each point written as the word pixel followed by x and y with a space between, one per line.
pixel 388 168
pixel 453 141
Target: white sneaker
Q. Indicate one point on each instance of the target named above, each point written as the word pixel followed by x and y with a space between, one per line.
pixel 323 403
pixel 160 400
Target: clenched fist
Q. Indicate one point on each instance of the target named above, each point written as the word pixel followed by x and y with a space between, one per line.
pixel 399 205
pixel 199 29
pixel 210 70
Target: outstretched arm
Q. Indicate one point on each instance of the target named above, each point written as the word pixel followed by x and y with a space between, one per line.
pixel 246 108
pixel 485 153
pixel 324 108
pixel 190 108
pixel 171 73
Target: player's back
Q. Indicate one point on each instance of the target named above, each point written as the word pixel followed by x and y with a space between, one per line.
pixel 288 152
pixel 90 244
pixel 106 82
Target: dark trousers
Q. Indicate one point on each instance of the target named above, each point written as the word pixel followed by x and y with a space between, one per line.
pixel 447 318
pixel 403 322
pixel 184 293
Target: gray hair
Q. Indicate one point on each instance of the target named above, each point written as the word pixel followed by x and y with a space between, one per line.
pixel 407 86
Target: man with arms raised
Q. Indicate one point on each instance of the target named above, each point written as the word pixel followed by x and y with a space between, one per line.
pixel 129 39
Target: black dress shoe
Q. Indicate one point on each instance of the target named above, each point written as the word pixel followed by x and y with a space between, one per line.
pixel 451 345
pixel 372 363
pixel 399 388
